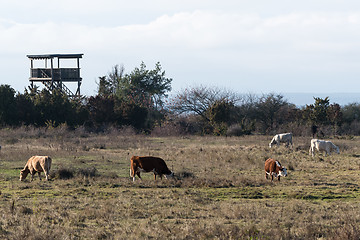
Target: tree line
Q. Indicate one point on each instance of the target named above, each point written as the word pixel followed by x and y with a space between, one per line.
pixel 140 100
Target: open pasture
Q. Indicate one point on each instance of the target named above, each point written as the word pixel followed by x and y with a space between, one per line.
pixel 219 191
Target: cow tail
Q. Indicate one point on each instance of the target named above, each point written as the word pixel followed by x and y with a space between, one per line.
pixel 49 164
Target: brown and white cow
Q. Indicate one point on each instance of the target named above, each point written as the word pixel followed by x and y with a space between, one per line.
pixel 149 164
pixel 274 169
pixel 36 164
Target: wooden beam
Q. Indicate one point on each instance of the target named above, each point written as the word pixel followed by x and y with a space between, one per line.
pixel 52 74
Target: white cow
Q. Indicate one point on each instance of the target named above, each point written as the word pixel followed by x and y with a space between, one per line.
pixel 281 138
pixel 322 145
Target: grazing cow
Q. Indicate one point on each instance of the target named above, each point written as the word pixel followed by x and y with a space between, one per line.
pixel 281 138
pixel 149 164
pixel 36 164
pixel 322 145
pixel 274 169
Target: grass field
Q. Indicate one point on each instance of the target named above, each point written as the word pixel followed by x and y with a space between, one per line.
pixel 219 191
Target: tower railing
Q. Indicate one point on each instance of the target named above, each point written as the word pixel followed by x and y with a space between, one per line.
pixel 52 76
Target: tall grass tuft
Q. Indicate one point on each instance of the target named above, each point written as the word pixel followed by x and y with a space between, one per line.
pixel 68 173
pixel 88 172
pixel 63 173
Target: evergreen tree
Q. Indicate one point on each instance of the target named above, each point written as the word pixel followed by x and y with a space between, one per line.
pixel 7 105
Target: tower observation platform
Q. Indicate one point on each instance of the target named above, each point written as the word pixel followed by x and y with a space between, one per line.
pixel 52 76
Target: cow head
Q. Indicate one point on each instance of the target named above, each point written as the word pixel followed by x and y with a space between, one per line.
pixel 168 176
pixel 273 142
pixel 24 173
pixel 282 172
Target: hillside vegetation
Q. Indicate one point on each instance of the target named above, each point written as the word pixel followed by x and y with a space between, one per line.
pixel 140 100
pixel 219 191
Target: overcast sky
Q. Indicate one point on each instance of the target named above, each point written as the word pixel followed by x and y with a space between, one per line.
pixel 257 46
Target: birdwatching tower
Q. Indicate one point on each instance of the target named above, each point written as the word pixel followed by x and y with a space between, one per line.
pixel 55 73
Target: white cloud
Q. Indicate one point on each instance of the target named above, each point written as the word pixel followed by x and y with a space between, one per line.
pixel 198 29
pixel 236 44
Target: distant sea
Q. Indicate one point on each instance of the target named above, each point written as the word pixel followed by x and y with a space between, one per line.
pixel 302 99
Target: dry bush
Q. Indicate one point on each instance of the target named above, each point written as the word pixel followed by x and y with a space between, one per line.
pixel 114 131
pixel 26 210
pixel 351 129
pixel 68 173
pixel 63 173
pixel 167 129
pixel 88 172
pixel 184 174
pixel 237 130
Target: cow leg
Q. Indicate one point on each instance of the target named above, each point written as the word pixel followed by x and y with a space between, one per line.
pixel 132 174
pixel 312 151
pixel 154 176
pixel 39 176
pixel 133 177
pixel 279 178
pixel 46 174
pixel 138 174
pixel 266 175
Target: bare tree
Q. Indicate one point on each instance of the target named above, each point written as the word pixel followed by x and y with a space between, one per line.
pixel 267 108
pixel 199 99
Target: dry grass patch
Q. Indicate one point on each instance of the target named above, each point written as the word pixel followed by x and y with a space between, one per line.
pixel 219 190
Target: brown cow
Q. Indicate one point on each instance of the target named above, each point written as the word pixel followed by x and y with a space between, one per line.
pixel 36 164
pixel 149 164
pixel 274 168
